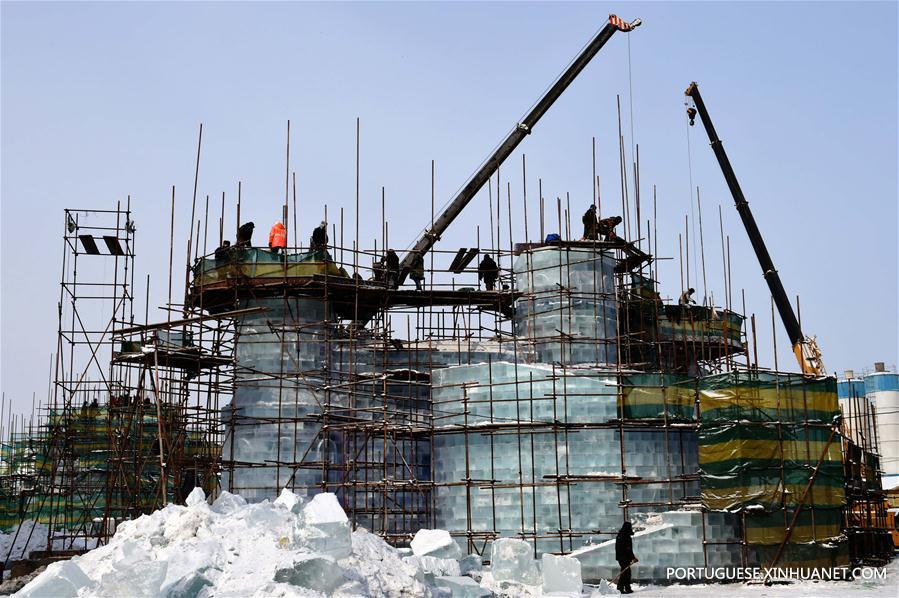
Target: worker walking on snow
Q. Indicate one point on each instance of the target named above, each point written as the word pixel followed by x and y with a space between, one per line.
pixel 624 554
pixel 590 224
pixel 488 271
pixel 319 240
pixel 417 270
pixel 277 238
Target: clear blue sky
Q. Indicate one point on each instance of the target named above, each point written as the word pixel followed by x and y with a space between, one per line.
pixel 104 100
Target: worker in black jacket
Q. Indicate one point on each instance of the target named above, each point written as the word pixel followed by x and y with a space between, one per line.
pixel 590 224
pixel 392 263
pixel 417 270
pixel 488 271
pixel 245 234
pixel 319 240
pixel 624 554
pixel 606 227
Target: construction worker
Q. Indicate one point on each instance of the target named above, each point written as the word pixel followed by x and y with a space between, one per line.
pixel 245 234
pixel 488 271
pixel 606 227
pixel 222 254
pixel 686 298
pixel 277 238
pixel 591 224
pixel 624 554
pixel 417 270
pixel 392 266
pixel 319 240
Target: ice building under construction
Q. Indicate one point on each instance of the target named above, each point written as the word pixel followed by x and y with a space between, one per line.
pixel 564 400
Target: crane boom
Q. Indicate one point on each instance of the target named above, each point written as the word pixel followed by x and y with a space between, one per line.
pixel 805 348
pixel 505 149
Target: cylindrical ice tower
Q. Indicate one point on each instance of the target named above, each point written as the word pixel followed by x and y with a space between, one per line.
pixel 568 308
pixel 281 359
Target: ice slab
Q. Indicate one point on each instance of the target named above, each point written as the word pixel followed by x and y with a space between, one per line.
pixel 324 508
pixel 435 542
pixel 136 582
pixel 561 574
pixel 513 560
pixel 60 580
pixel 469 563
pixel 462 587
pixel 324 527
pixel 320 574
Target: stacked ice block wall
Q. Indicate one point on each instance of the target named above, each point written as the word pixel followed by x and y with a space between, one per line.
pixel 568 311
pixel 526 448
pixel 548 418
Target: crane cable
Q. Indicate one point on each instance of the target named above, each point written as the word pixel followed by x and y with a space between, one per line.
pixel 692 213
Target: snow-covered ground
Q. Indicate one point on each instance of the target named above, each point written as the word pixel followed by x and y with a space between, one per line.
pixel 293 547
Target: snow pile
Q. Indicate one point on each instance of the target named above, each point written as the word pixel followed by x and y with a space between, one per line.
pixel 288 547
pixel 21 540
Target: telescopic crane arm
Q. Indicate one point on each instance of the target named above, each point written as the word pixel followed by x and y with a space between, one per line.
pixel 505 149
pixel 805 348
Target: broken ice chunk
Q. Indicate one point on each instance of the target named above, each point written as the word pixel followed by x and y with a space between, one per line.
pixel 435 542
pixel 288 500
pixel 60 580
pixel 462 587
pixel 227 503
pixel 196 497
pixel 324 508
pixel 321 574
pixel 434 565
pixel 513 560
pixel 561 574
pixel 188 586
pixel 143 581
pixel 472 562
pixel 324 527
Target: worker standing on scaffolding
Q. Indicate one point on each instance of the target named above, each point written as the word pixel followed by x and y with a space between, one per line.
pixel 591 224
pixel 392 266
pixel 417 270
pixel 488 271
pixel 223 252
pixel 319 240
pixel 277 238
pixel 245 234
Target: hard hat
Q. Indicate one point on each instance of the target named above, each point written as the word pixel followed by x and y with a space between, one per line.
pixel 323 224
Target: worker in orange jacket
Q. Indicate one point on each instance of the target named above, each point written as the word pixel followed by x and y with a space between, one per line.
pixel 277 238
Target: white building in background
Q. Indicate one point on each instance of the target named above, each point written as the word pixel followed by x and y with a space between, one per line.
pixel 874 396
